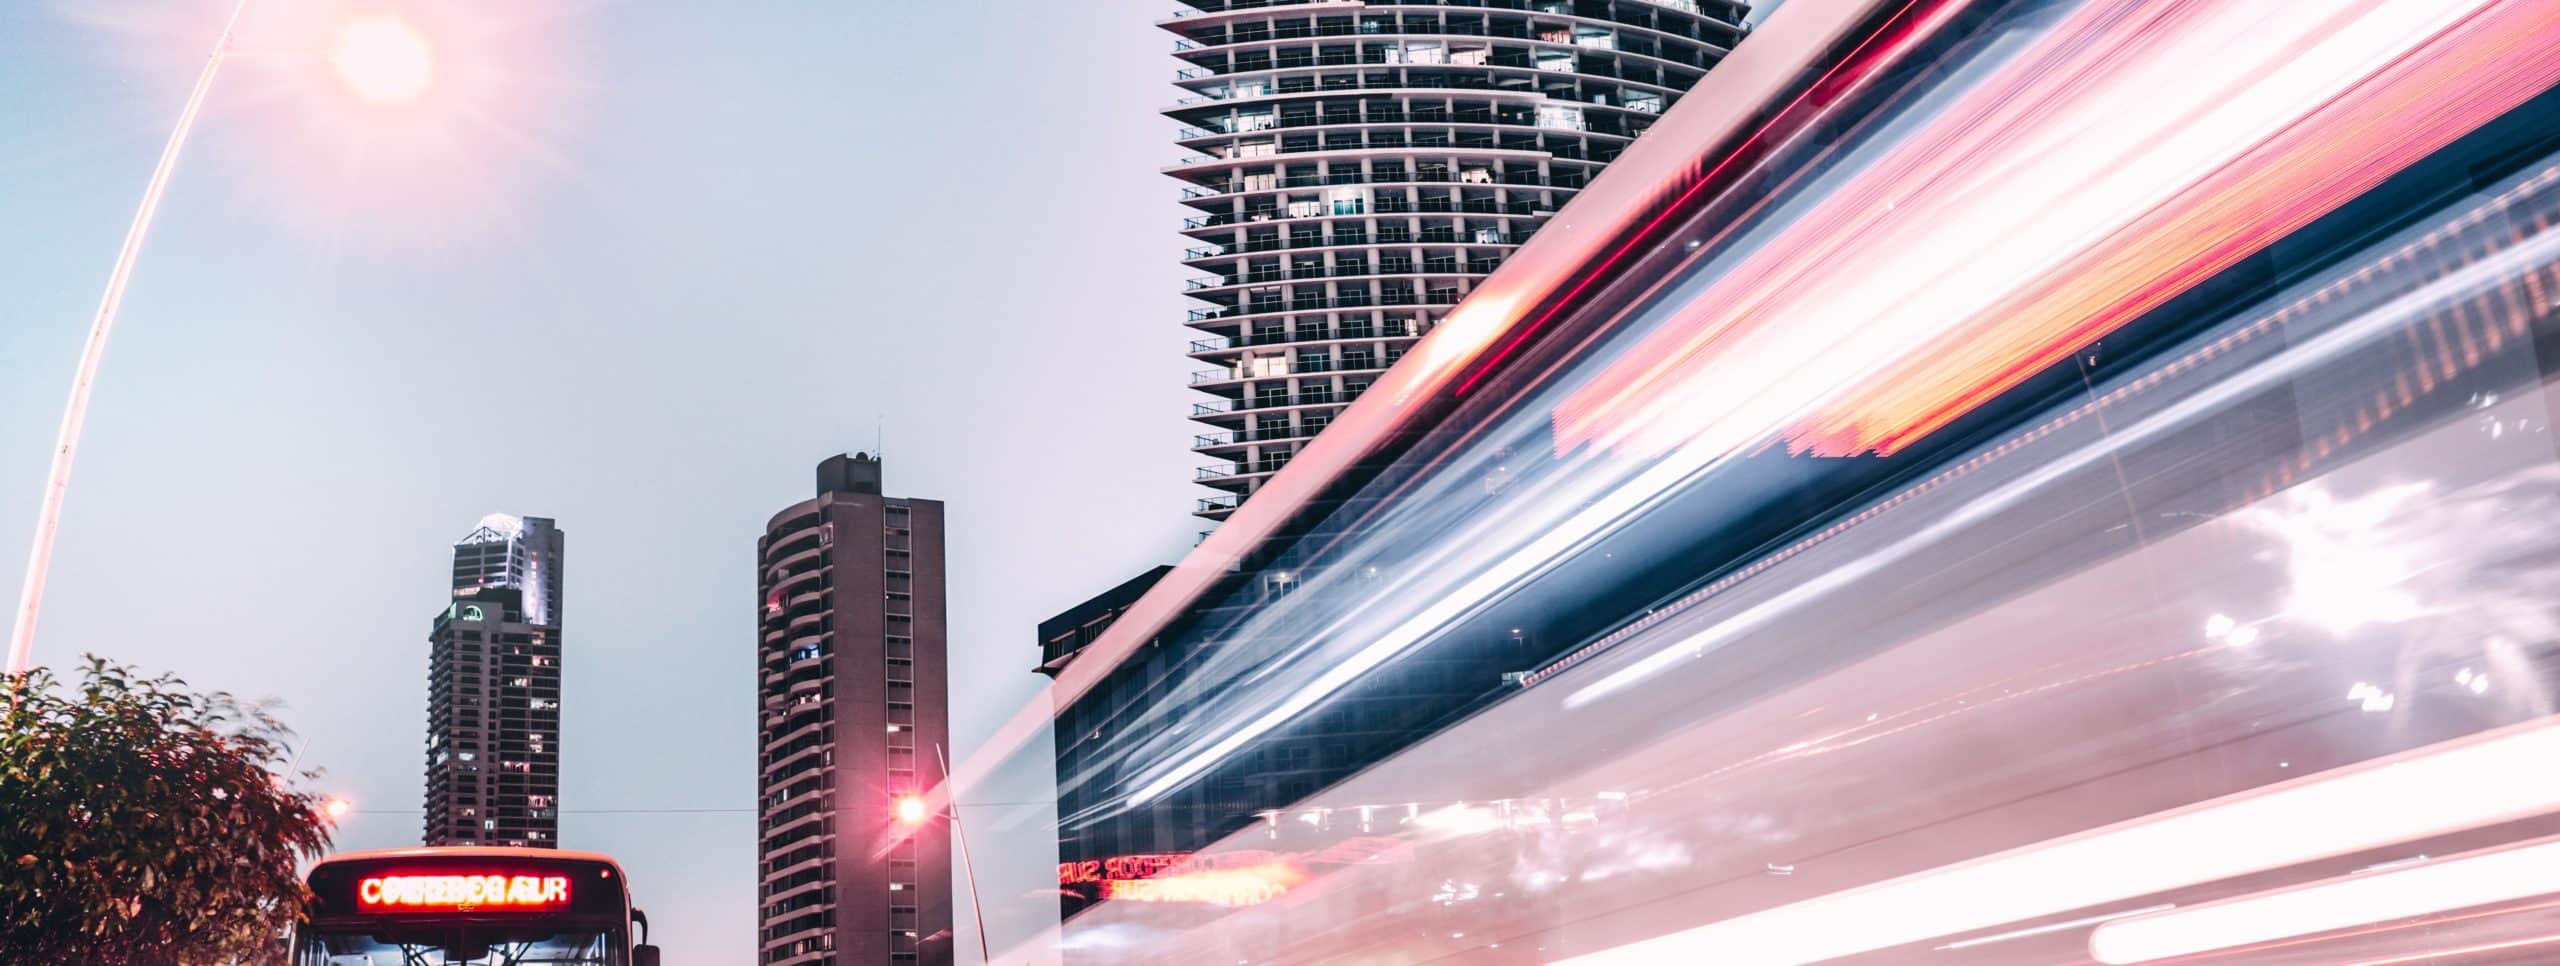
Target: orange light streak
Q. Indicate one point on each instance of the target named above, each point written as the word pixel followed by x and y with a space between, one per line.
pixel 2104 171
pixel 1245 886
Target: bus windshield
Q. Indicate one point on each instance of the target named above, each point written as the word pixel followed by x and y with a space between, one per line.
pixel 458 944
pixel 454 906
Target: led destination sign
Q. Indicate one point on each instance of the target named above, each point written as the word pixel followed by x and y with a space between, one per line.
pixel 462 893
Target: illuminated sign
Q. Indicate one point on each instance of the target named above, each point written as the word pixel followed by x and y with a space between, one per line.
pixel 1240 877
pixel 1249 885
pixel 1117 867
pixel 462 893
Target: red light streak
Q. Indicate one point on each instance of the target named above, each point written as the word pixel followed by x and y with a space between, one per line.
pixel 462 893
pixel 2426 247
pixel 1973 275
pixel 1856 60
pixel 1785 48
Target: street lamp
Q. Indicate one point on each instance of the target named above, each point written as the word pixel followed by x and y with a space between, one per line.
pixel 383 61
pixel 911 811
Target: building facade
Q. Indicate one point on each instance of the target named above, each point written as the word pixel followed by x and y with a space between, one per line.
pixel 1067 633
pixel 1359 166
pixel 852 717
pixel 1111 736
pixel 493 691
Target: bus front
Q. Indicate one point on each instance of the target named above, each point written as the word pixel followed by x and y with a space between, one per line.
pixel 452 906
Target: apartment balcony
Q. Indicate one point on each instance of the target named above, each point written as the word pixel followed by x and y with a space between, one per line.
pixel 1530 84
pixel 1203 258
pixel 1208 444
pixel 1226 187
pixel 1347 138
pixel 1236 477
pixel 1279 219
pixel 1676 23
pixel 1205 349
pixel 1212 288
pixel 1237 412
pixel 1266 309
pixel 1231 379
pixel 1508 47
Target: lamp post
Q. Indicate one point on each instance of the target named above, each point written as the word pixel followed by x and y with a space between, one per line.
pixel 382 60
pixel 911 810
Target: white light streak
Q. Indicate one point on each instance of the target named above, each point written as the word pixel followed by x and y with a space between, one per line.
pixel 2467 783
pixel 2402 892
pixel 1554 545
pixel 22 635
pixel 2283 367
pixel 2051 928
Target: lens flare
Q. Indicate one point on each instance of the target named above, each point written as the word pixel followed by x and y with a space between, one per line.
pixel 383 60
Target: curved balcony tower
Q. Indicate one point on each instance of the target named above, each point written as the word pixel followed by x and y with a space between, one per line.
pixel 1357 165
pixel 853 696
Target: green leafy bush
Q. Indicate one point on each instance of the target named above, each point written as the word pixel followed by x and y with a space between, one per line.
pixel 141 823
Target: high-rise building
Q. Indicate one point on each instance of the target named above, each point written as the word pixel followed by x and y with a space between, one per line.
pixel 850 670
pixel 1065 635
pixel 518 552
pixel 1360 166
pixel 493 690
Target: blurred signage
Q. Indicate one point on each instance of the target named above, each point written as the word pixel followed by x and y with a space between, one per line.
pixel 1240 877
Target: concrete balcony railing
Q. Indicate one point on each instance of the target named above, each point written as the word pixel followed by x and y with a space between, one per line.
pixel 1304 336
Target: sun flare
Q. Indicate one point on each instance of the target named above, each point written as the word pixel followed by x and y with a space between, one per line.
pixel 383 60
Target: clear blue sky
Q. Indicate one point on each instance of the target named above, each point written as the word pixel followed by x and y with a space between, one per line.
pixel 679 252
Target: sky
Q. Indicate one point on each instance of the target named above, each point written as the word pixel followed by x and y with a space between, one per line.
pixel 636 266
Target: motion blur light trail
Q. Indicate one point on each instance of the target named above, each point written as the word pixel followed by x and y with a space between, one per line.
pixel 2428 888
pixel 2132 151
pixel 75 414
pixel 1869 613
pixel 1664 163
pixel 2433 792
pixel 2292 363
